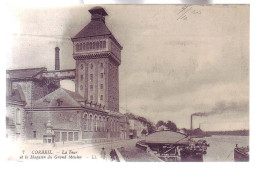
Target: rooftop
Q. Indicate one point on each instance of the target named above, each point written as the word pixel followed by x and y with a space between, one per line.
pixel 166 137
pixel 24 73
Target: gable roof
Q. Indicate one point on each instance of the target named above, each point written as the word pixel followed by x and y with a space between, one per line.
pixel 60 95
pixel 74 95
pixel 24 73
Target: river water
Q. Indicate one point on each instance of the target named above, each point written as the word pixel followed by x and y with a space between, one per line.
pixel 222 147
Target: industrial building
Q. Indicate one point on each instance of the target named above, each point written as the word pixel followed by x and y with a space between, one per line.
pixel 36 102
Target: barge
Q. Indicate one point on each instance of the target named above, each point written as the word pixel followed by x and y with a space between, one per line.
pixel 241 154
pixel 173 147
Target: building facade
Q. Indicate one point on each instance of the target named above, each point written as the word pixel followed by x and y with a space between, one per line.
pixel 136 127
pixel 15 114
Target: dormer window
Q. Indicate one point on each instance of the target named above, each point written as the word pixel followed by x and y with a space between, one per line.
pixel 59 102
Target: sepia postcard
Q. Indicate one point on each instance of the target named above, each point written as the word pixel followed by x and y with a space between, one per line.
pixel 129 83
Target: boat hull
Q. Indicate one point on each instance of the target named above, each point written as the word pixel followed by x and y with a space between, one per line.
pixel 240 155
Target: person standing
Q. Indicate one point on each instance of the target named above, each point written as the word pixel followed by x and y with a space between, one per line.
pixel 103 153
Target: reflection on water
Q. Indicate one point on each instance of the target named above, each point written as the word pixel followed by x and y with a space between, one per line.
pixel 222 147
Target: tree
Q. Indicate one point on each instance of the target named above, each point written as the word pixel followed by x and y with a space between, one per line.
pixel 144 132
pixel 160 123
pixel 150 127
pixel 171 126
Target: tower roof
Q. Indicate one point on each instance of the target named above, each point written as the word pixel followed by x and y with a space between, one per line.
pixel 96 26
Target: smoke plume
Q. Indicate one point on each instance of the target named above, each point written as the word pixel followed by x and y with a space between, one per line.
pixel 223 107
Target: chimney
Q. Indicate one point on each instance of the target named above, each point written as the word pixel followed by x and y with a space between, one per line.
pixel 57 58
pixel 98 14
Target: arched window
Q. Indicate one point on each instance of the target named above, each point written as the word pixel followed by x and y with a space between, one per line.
pixel 90 127
pixel 85 121
pixel 93 45
pixel 84 46
pixel 18 116
pixel 95 123
pixel 87 45
pixel 104 124
pixel 100 44
pixel 112 125
pixel 97 45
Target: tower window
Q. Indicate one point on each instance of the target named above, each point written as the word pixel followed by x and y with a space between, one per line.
pixel 87 46
pixel 91 66
pixel 90 45
pixel 101 65
pixel 93 45
pixel 100 43
pixel 97 45
pixel 91 97
pixel 81 66
pixel 91 87
pixel 101 75
pixel 101 86
pixel 101 97
pixel 81 77
pixel 91 77
pixel 84 46
pixel 80 46
pixel 77 47
pixel 104 44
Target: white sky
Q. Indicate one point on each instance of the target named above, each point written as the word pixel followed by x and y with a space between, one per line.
pixel 170 68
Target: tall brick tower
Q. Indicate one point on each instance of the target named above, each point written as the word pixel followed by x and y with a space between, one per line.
pixel 98 56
